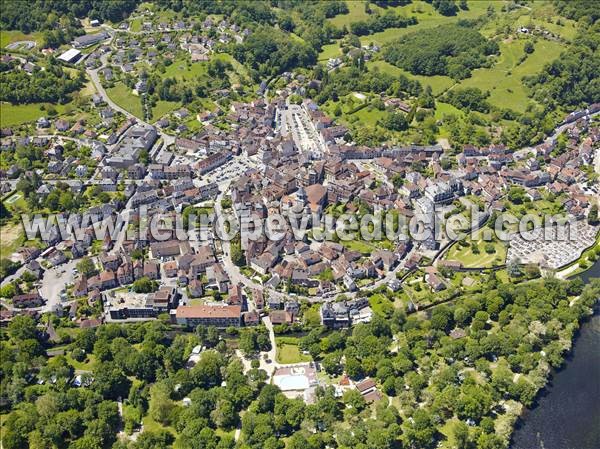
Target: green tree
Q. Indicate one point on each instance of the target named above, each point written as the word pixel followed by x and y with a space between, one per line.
pixel 593 215
pixel 224 414
pixel 145 285
pixel 86 267
pixel 461 435
pixel 247 342
pixel 395 121
pixel 110 381
pixel 161 404
pixel 22 327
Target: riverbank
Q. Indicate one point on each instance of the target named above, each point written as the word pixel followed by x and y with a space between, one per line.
pixel 568 412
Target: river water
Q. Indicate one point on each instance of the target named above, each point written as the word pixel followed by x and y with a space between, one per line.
pixel 568 415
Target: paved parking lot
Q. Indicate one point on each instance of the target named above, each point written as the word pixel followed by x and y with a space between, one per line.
pixel 231 170
pixel 305 135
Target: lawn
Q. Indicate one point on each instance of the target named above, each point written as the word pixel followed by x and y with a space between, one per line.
pixel 184 69
pixel 442 109
pixel 136 24
pixel 541 14
pixel 504 79
pixel 438 83
pixel 369 116
pixel 291 354
pixel 311 316
pixel 539 208
pixel 330 51
pixel 150 425
pixel 470 259
pixel 567 29
pixel 359 246
pixel 193 124
pixel 16 203
pixel 163 107
pixel 122 96
pixel 86 365
pixel 381 305
pixel 239 71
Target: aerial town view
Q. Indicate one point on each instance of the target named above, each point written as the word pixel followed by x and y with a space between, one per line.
pixel 299 224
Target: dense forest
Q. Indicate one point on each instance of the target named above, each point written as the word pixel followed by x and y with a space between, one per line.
pixel 468 98
pixel 452 50
pixel 53 85
pixel 589 10
pixel 573 79
pixel 269 52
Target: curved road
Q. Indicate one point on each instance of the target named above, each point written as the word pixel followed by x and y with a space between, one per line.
pixel 93 74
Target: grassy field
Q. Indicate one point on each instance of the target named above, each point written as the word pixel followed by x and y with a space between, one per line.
pixel 427 17
pixel 540 14
pixel 150 425
pixel 442 109
pixel 7 37
pixel 11 236
pixel 369 115
pixel 163 107
pixel 16 203
pixel 330 51
pixel 381 305
pixel 122 96
pixel 438 83
pixel 359 246
pixel 504 79
pixel 239 71
pixel 86 365
pixel 470 259
pixel 184 70
pixel 567 29
pixel 136 25
pixel 356 12
pixel 289 353
pixel 14 115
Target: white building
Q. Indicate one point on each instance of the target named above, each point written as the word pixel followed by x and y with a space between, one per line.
pixel 71 56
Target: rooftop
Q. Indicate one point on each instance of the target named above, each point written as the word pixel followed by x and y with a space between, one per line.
pixel 204 311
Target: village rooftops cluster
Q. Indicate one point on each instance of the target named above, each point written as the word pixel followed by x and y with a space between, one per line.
pixel 276 157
